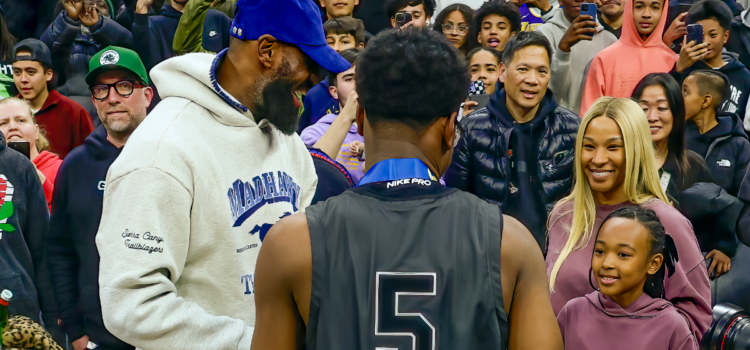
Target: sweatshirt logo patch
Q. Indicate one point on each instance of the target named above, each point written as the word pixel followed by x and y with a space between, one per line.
pixel 6 205
pixel 245 198
pixel 212 33
pixel 263 229
pixel 724 163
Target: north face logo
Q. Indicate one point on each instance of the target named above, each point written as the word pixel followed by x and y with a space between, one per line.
pixel 724 163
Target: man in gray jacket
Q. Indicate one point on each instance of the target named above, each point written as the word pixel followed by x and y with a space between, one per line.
pixel 575 40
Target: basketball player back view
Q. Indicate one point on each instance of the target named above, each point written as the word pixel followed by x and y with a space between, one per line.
pixel 402 262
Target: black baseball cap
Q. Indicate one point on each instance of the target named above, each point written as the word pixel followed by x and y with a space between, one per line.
pixel 39 52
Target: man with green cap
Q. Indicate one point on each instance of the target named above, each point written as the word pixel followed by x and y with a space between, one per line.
pixel 119 88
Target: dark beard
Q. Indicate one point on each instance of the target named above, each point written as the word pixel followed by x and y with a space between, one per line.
pixel 278 102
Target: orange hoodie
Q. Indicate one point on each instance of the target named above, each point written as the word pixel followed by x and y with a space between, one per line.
pixel 616 70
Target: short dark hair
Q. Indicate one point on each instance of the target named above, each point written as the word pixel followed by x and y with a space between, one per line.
pixel 501 8
pixel 713 83
pixel 346 25
pixel 411 76
pixel 393 6
pixel 350 55
pixel 711 9
pixel 468 14
pixel 523 40
pixel 493 51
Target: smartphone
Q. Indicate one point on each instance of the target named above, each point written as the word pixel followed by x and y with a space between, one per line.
pixel 477 88
pixel 590 10
pixel 21 146
pixel 695 32
pixel 402 18
pixel 481 100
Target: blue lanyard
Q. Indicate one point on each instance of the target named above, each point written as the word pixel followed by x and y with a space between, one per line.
pixel 397 169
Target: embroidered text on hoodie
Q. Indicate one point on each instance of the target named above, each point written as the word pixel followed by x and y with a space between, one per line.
pixel 188 204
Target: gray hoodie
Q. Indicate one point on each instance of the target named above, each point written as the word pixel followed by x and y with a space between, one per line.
pixel 568 69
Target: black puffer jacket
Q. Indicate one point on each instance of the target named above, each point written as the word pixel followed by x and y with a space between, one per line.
pixel 480 161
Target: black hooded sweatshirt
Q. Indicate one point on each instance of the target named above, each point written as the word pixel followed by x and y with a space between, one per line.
pixel 725 148
pixel 74 259
pixel 23 238
pixel 739 83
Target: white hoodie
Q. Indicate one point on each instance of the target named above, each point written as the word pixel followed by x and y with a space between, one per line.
pixel 186 207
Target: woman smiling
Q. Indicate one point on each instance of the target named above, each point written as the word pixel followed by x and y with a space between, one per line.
pixel 616 168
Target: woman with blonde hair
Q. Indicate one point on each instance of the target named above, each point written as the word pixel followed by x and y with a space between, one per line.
pixel 17 123
pixel 615 167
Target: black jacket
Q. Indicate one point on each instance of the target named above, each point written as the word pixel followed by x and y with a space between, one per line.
pixel 23 239
pixel 333 178
pixel 713 214
pixel 480 161
pixel 72 49
pixel 727 153
pixel 739 81
pixel 153 35
pixel 680 180
pixel 739 40
pixel 74 259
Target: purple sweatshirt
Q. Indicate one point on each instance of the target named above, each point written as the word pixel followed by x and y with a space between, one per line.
pixel 314 132
pixel 596 322
pixel 688 288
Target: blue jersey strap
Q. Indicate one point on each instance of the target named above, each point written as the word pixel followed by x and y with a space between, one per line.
pixel 397 169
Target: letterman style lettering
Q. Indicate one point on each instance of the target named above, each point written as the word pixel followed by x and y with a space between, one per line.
pixel 245 198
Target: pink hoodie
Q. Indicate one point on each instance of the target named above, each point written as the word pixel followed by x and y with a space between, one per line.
pixel 688 288
pixel 596 322
pixel 616 70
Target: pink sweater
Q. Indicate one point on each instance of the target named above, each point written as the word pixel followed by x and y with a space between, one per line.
pixel 616 70
pixel 688 288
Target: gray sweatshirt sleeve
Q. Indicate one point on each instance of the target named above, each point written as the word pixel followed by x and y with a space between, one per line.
pixel 137 277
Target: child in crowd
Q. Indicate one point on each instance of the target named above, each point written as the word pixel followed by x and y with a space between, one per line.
pixel 335 133
pixel 456 22
pixel 484 65
pixel 718 137
pixel 716 19
pixel 497 21
pixel 342 33
pixel 616 70
pixel 631 256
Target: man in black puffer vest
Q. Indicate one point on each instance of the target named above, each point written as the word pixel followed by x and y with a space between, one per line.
pixel 519 151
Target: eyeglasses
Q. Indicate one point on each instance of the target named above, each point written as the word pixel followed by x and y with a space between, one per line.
pixel 460 30
pixel 124 88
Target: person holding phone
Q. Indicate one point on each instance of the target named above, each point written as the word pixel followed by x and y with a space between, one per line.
pixel 518 151
pixel 713 19
pixel 18 124
pixel 404 13
pixel 576 39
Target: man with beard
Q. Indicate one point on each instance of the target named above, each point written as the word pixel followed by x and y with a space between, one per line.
pixel 119 86
pixel 214 166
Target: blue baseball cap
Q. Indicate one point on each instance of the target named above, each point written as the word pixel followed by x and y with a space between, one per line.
pixel 295 22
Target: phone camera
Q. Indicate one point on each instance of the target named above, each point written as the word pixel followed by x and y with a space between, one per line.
pixel 584 7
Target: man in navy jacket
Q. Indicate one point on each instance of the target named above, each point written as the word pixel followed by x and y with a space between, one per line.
pixel 79 190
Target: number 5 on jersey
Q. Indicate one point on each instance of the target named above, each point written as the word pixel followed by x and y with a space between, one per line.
pixel 390 321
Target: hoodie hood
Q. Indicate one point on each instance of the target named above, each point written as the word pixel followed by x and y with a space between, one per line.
pixel 192 77
pixel 99 147
pixel 630 35
pixel 733 64
pixel 168 11
pixel 328 119
pixel 730 124
pixel 643 307
pixel 500 112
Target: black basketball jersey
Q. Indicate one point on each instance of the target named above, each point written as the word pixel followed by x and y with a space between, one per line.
pixel 408 267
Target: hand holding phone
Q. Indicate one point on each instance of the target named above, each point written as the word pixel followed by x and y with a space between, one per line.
pixel 588 9
pixel 402 18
